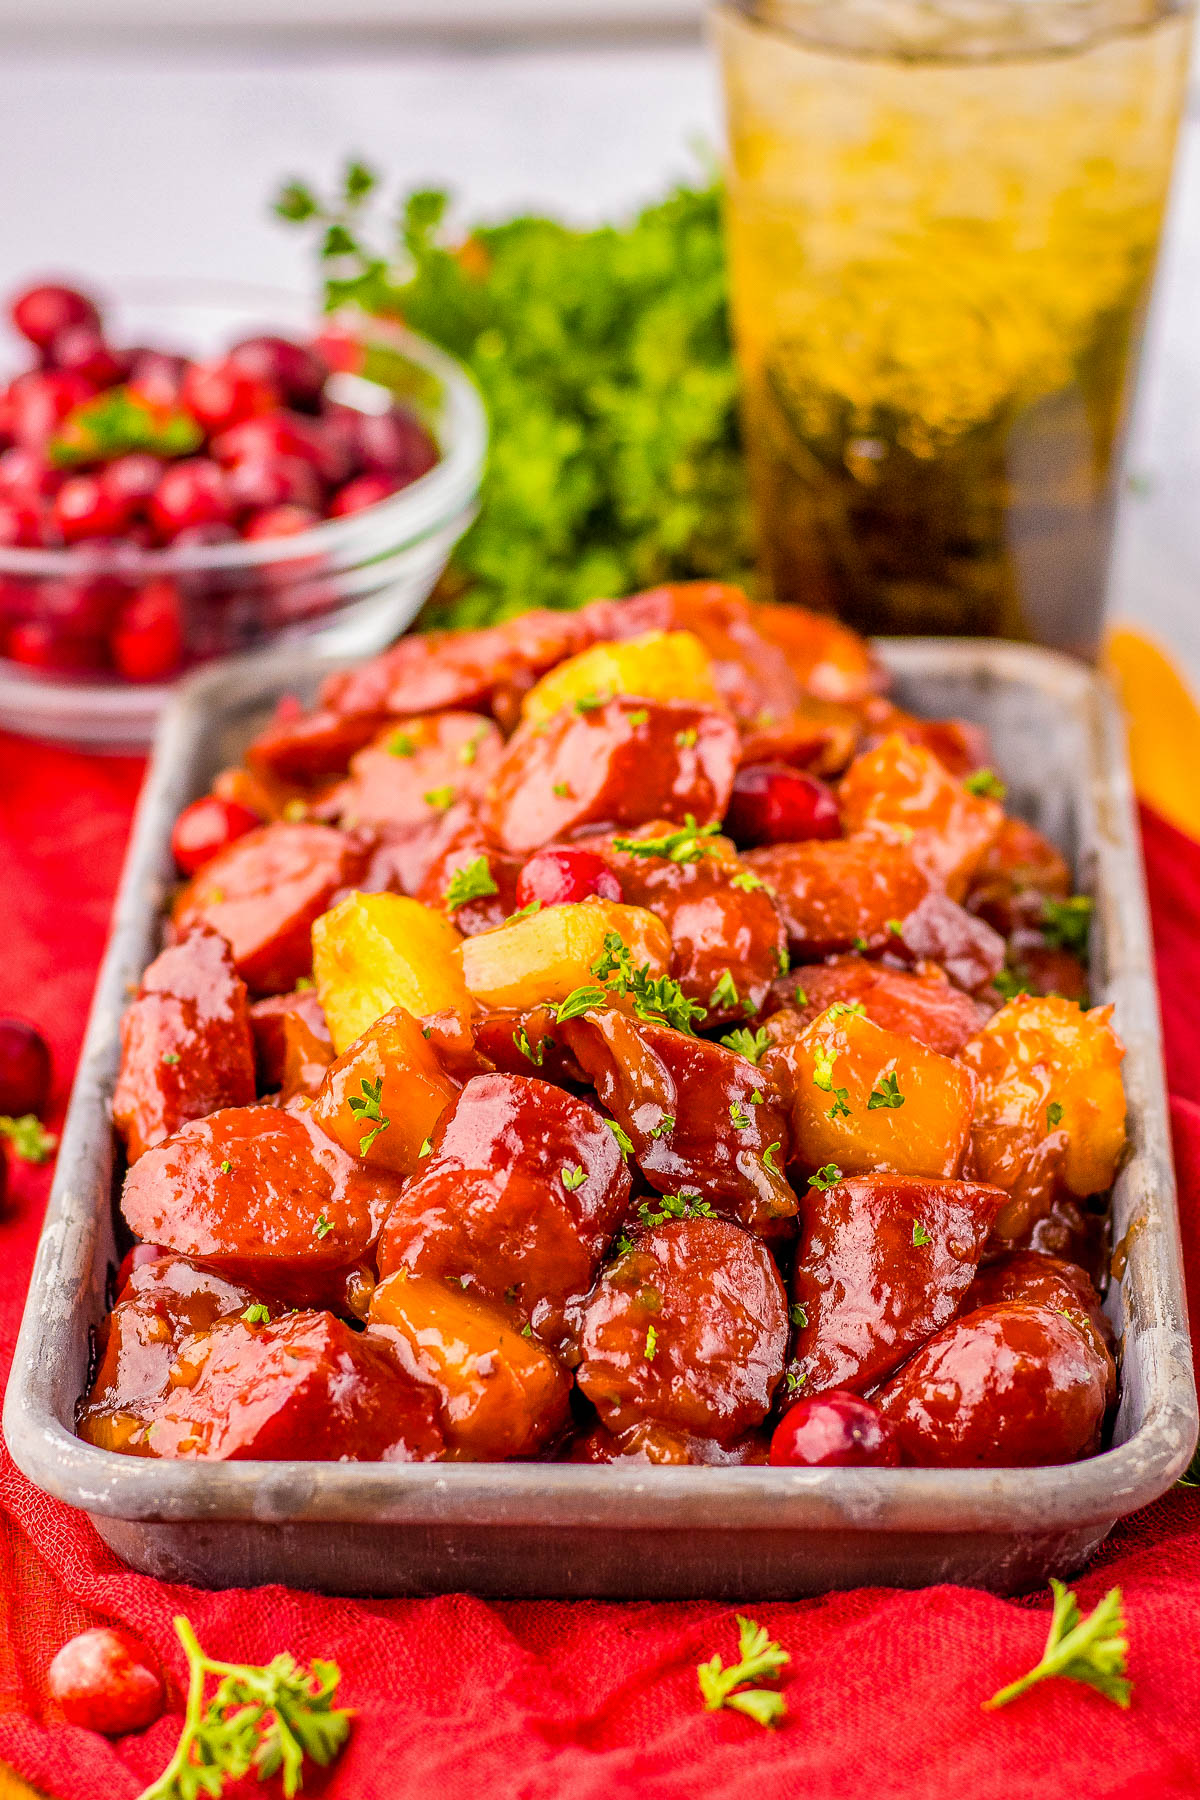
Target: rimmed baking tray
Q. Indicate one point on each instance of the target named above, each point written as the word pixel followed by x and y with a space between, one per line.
pixel 629 1530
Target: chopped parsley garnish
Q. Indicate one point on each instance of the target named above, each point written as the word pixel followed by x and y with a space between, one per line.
pixel 687 1205
pixel 747 881
pixel 473 882
pixel 985 784
pixel 527 1331
pixel 740 1117
pixel 624 1244
pixel 226 1166
pixel 794 1380
pixel 587 703
pixel 665 1124
pixel 655 1000
pixel 572 1177
pixel 1054 1113
pixel 579 1001
pixel 524 912
pixel 683 845
pixel 823 1070
pixel 751 1044
pixel 257 1314
pixel 323 1226
pixel 1068 923
pixel 561 791
pixel 624 1141
pixel 783 961
pixel 686 739
pixel 426 1147
pixel 1008 984
pixel 886 1092
pixel 171 1057
pixel 768 1157
pixel 651 1343
pixel 759 1658
pixel 401 744
pixel 639 717
pixel 920 1236
pixel 846 1009
pixel 841 1104
pixel 470 750
pixel 535 1052
pixel 1091 1649
pixel 725 993
pixel 304 982
pixel 440 798
pixel 861 945
pixel 825 1178
pixel 797 1315
pixel 801 996
pixel 895 927
pixel 369 1106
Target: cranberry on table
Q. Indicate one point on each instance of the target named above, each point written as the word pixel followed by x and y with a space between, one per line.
pixel 193 492
pixel 773 803
pixel 557 877
pixel 221 394
pixel 296 372
pixel 834 1430
pixel 148 643
pixel 106 1681
pixel 25 1068
pixel 86 507
pixel 206 826
pixel 41 313
pixel 363 491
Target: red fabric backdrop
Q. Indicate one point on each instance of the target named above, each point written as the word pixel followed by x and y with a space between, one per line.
pixel 581 1700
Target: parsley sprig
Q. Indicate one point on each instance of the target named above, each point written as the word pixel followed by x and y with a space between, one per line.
pixel 760 1658
pixel 370 1106
pixel 687 1205
pixel 473 882
pixel 1068 923
pixel 266 1719
pixel 654 998
pixel 1091 1649
pixel 683 845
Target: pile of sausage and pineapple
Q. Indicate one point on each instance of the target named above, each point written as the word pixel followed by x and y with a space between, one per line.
pixel 586 1037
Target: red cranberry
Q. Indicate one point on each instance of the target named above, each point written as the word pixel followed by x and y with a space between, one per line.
pixel 772 803
pixel 280 521
pixel 136 1258
pixel 39 645
pixel 85 507
pixel 41 313
pixel 205 827
pixel 131 481
pixel 363 491
pixel 194 492
pixel 26 475
pixel 21 526
pixel 157 375
pixel 81 349
pixel 41 400
pixel 220 395
pixel 148 643
pixel 394 443
pixel 25 1068
pixel 285 434
pixel 258 483
pixel 82 606
pixel 341 350
pixel 296 372
pixel 834 1430
pixel 106 1681
pixel 559 876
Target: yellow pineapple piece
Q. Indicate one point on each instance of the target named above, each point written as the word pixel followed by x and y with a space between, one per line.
pixel 373 952
pixel 658 665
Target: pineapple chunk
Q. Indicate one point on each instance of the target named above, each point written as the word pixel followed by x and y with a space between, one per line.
pixel 383 1096
pixel 545 956
pixel 658 665
pixel 372 952
pixel 865 1098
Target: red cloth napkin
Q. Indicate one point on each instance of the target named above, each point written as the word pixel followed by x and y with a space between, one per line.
pixel 583 1700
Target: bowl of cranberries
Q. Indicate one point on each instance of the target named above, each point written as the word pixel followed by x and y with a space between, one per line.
pixel 190 475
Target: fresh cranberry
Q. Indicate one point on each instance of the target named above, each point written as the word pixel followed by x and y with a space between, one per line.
pixel 559 876
pixel 148 642
pixel 220 395
pixel 258 483
pixel 21 526
pixel 38 645
pixel 26 475
pixel 394 443
pixel 285 434
pixel 81 606
pixel 25 1068
pixel 41 400
pixel 834 1430
pixel 203 537
pixel 194 492
pixel 41 313
pixel 206 826
pixel 81 349
pixel 280 521
pixel 135 1258
pixel 18 600
pixel 157 375
pixel 106 1681
pixel 772 803
pixel 85 507
pixel 131 481
pixel 296 372
pixel 341 350
pixel 363 491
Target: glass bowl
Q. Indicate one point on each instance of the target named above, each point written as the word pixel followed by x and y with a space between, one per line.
pixel 350 585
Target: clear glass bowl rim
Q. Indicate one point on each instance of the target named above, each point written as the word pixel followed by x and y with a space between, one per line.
pixel 402 519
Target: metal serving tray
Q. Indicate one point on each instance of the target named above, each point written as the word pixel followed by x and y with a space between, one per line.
pixel 624 1529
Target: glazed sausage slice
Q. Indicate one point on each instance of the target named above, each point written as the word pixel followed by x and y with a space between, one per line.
pixel 1047 1281
pixel 901 791
pixel 923 1005
pixel 263 893
pixel 839 894
pixel 1010 1386
pixel 884 1261
pixel 186 1045
pixel 618 762
pixel 304 1385
pixel 263 1197
pixel 268 1021
pixel 415 768
pixel 689 1329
